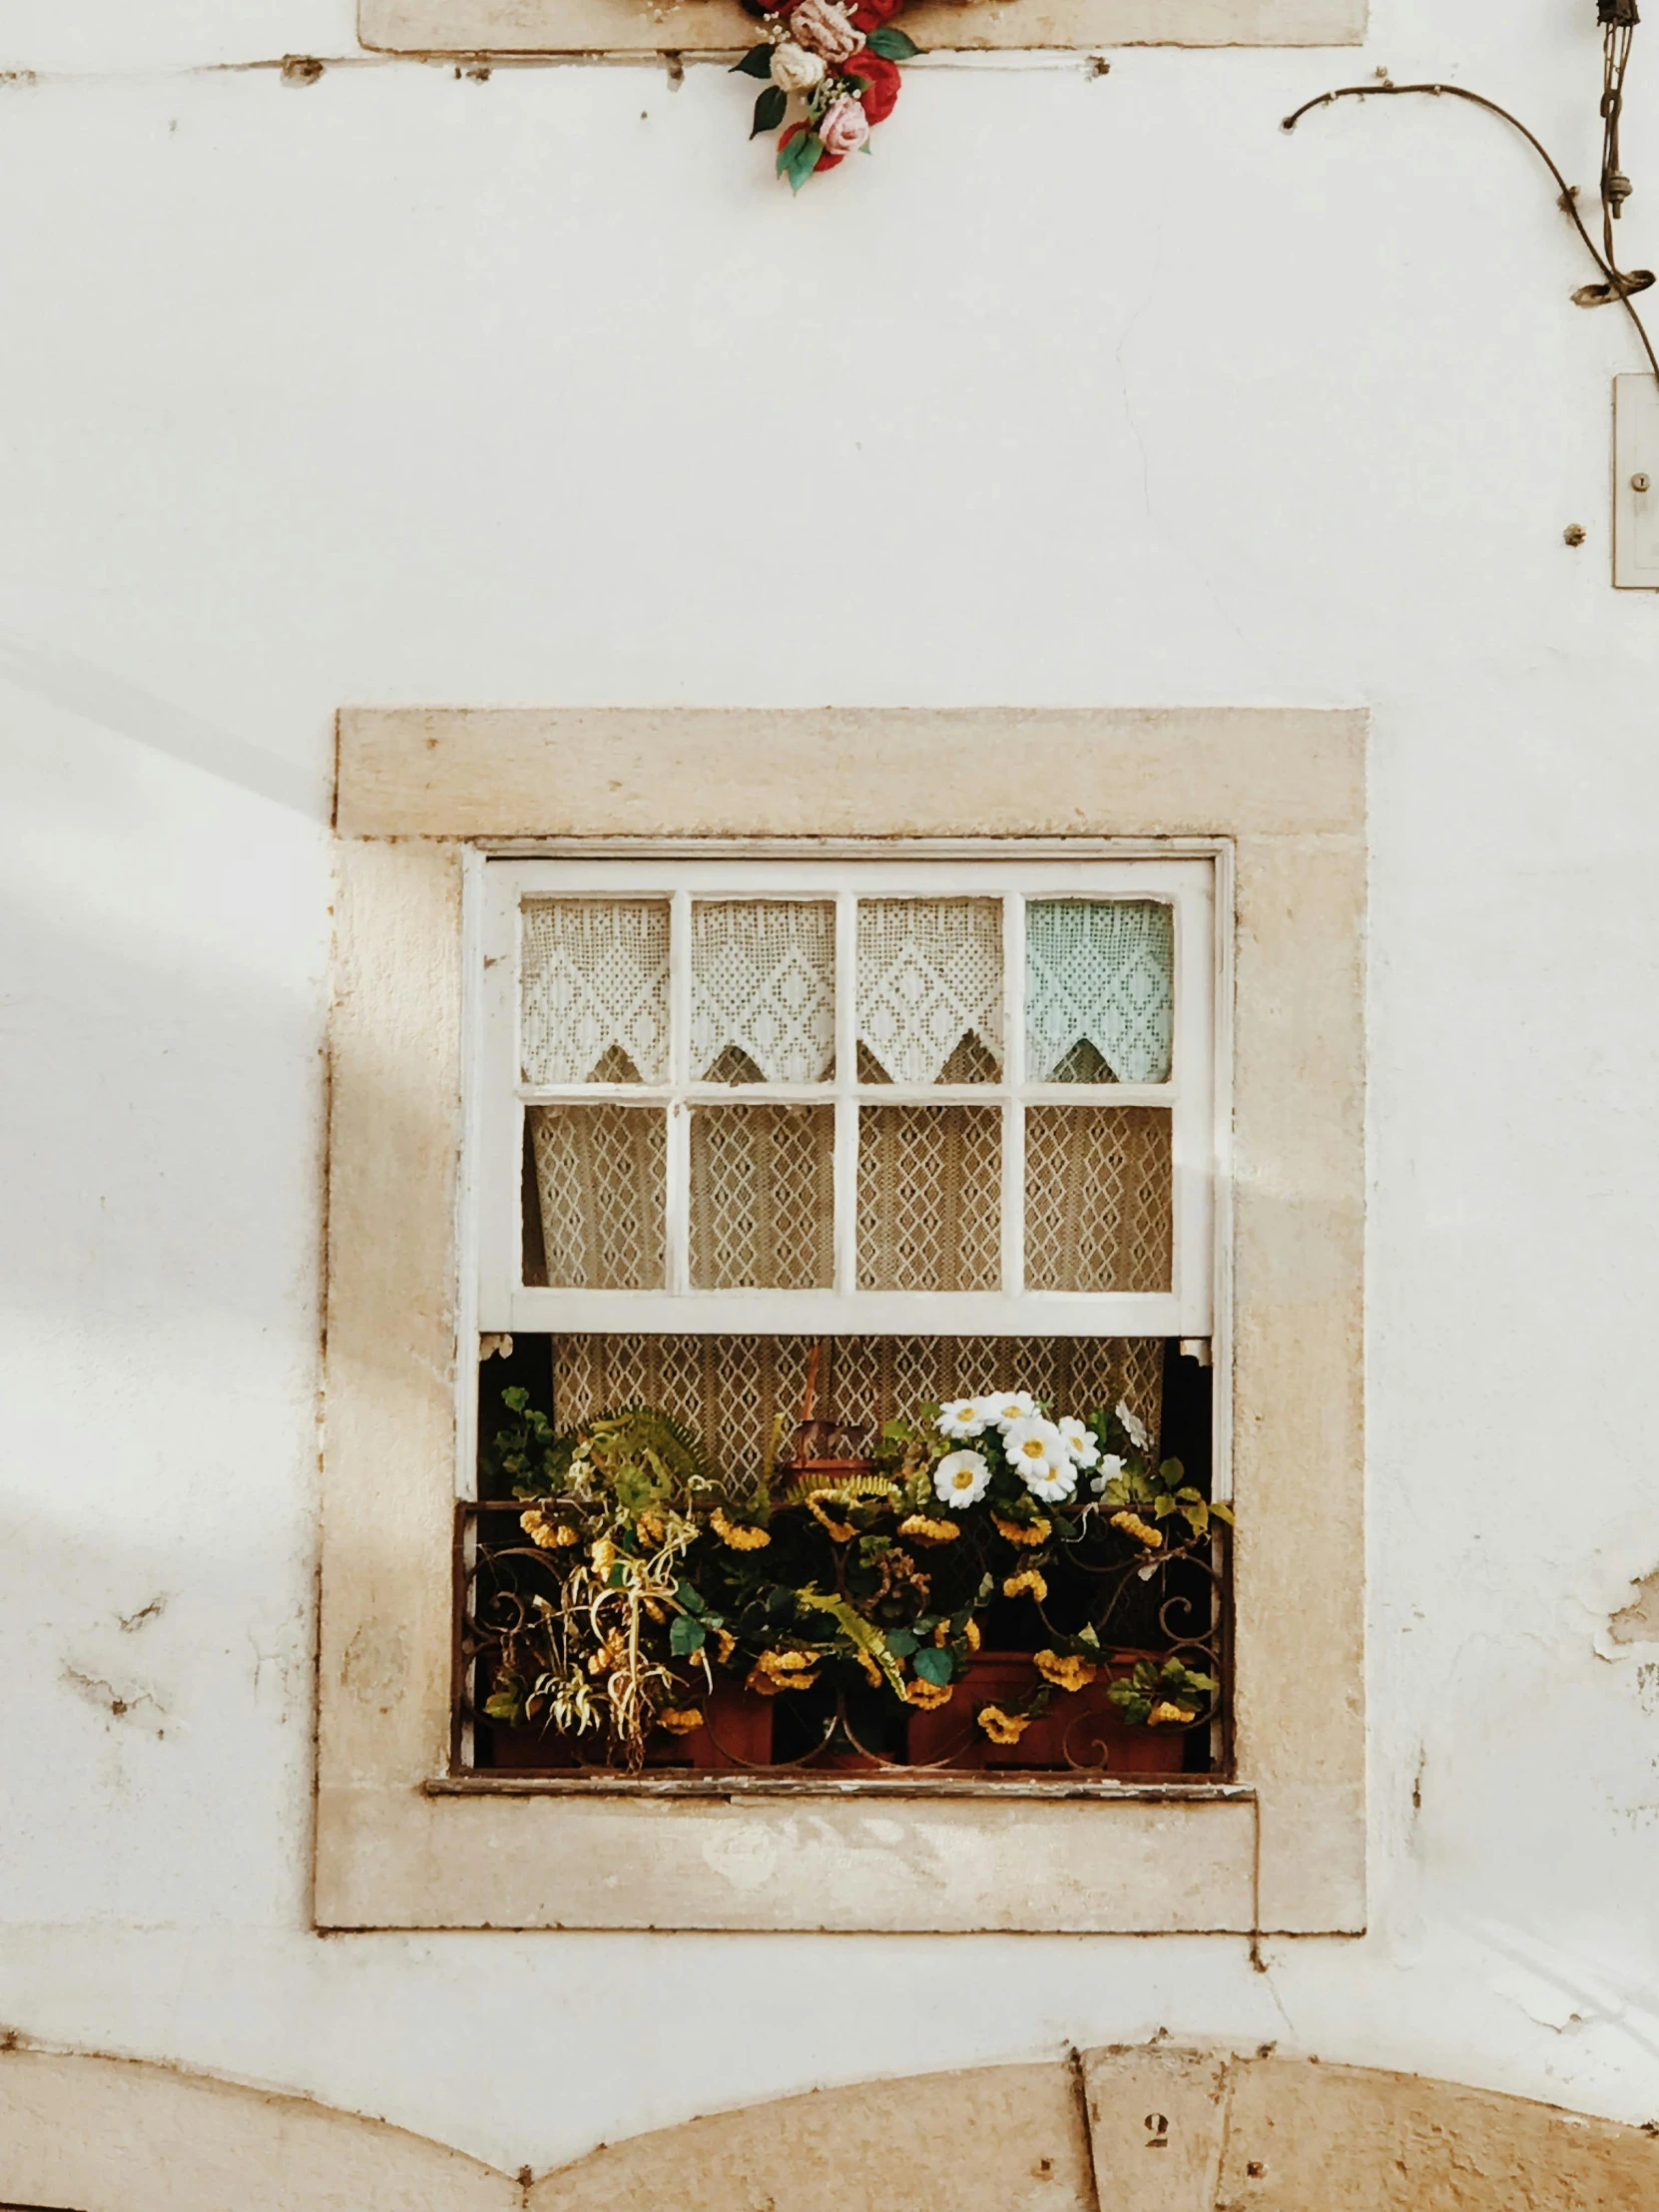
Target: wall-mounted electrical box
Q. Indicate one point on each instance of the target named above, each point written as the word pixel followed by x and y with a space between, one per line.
pixel 1636 483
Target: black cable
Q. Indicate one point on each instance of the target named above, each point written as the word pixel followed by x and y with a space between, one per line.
pixel 1619 284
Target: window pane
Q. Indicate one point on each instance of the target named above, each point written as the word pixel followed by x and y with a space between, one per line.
pixel 763 1198
pixel 763 991
pixel 930 1197
pixel 1097 1198
pixel 601 1177
pixel 929 990
pixel 595 991
pixel 1099 990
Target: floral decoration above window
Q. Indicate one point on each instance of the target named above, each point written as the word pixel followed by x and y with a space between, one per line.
pixel 839 65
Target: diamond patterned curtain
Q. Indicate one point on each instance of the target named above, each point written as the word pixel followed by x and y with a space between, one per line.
pixel 1099 990
pixel 929 988
pixel 763 991
pixel 594 1004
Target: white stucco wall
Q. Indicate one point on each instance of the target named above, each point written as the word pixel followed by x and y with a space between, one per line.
pixel 1085 390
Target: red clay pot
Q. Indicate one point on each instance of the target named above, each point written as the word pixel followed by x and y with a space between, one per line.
pixel 1085 1722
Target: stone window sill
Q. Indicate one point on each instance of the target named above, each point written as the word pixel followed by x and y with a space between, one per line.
pixel 481 27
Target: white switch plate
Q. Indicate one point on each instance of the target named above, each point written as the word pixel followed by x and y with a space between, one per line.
pixel 1635 455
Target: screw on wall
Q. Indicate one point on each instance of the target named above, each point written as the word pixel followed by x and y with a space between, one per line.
pixel 301 69
pixel 1573 534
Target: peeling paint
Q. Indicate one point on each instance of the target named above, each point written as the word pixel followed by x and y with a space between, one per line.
pixel 1638 1622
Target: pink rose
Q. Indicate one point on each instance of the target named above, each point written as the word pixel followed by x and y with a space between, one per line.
pixel 844 126
pixel 823 28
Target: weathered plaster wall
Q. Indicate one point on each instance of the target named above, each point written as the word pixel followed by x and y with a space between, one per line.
pixel 1085 389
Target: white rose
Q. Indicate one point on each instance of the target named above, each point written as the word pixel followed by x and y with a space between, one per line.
pixel 794 69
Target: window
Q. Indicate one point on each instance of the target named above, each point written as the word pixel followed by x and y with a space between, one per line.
pixel 436 807
pixel 763 1137
pixel 861 1099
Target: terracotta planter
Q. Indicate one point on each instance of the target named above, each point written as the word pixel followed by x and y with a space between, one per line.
pixel 741 1737
pixel 1084 1722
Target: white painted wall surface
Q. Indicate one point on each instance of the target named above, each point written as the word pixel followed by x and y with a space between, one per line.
pixel 1085 391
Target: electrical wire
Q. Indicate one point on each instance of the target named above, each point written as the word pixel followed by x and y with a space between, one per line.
pixel 1619 17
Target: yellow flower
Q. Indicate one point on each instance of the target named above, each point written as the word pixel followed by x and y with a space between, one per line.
pixel 1027 1579
pixel 873 1673
pixel 1164 1710
pixel 1002 1727
pixel 737 1534
pixel 1133 1525
pixel 1024 1532
pixel 604 1556
pixel 652 1527
pixel 536 1528
pixel 841 1531
pixel 970 1635
pixel 680 1719
pixel 1070 1673
pixel 725 1644
pixel 655 1610
pixel 611 1653
pixel 929 1695
pixel 927 1531
pixel 777 1671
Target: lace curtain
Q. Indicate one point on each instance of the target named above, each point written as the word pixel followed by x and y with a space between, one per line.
pixel 731 1389
pixel 929 989
pixel 1097 1184
pixel 1099 990
pixel 763 991
pixel 594 991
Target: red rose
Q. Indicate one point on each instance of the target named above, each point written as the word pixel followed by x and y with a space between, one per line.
pixel 881 93
pixel 825 161
pixel 869 15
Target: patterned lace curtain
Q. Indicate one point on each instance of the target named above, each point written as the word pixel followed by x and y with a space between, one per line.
pixel 1099 990
pixel 594 1005
pixel 763 991
pixel 731 1389
pixel 929 989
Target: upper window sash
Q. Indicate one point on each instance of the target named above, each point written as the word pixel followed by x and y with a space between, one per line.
pixel 500 1092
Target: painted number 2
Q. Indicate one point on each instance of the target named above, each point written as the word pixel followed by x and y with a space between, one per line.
pixel 1157 2131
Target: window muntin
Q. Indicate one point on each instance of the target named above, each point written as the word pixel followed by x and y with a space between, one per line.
pixel 847 1096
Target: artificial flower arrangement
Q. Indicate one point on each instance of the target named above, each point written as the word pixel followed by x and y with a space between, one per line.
pixel 839 63
pixel 867 1576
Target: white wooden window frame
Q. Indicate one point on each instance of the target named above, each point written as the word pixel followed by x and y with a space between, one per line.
pixel 500 1098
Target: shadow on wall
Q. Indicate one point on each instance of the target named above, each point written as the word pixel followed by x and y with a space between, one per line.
pixel 1153 2128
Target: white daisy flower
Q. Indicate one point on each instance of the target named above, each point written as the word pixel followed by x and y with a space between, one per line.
pixel 962 1478
pixel 964 1416
pixel 1037 1448
pixel 1135 1426
pixel 1005 1410
pixel 1079 1442
pixel 1111 1467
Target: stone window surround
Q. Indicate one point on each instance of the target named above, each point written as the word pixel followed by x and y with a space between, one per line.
pixel 485 27
pixel 402 1843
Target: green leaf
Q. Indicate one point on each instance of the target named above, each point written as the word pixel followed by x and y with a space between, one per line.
pixel 1198 1517
pixel 901 1642
pixel 934 1665
pixel 692 1599
pixel 1221 1512
pixel 502 1707
pixel 1163 1505
pixel 770 110
pixel 756 63
pixel 1171 1472
pixel 893 44
pixel 685 1636
pixel 801 157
